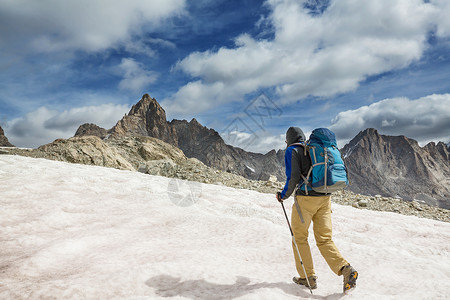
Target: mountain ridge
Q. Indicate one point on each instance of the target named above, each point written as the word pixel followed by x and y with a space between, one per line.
pixel 378 164
pixel 398 166
pixel 148 118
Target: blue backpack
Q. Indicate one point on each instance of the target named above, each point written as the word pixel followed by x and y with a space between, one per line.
pixel 328 172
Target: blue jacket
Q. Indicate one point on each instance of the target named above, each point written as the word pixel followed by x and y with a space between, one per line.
pixel 297 162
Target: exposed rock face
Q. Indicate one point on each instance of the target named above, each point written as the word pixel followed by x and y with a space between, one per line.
pixel 146 118
pixel 193 170
pixel 89 150
pixel 398 166
pixel 127 153
pixel 91 129
pixel 208 146
pixel 4 140
pixel 139 150
pixel 390 166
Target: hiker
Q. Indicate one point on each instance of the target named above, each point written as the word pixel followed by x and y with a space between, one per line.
pixel 310 206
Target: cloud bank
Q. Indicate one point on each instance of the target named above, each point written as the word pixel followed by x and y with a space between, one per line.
pixel 317 52
pixel 40 40
pixel 90 25
pixel 45 125
pixel 425 119
pixel 422 119
pixel 258 142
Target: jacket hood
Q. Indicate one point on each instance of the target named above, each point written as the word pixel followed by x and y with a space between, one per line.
pixel 294 135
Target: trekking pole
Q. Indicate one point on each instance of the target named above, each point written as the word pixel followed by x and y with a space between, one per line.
pixel 296 247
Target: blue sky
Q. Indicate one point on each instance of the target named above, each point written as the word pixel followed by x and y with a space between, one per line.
pixel 249 69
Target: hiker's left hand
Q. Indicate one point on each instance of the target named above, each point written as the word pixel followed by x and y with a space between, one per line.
pixel 279 197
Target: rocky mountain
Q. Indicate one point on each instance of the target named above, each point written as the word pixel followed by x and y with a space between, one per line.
pixel 378 165
pixel 155 157
pixel 208 146
pixel 148 118
pixel 4 140
pixel 89 129
pixel 398 166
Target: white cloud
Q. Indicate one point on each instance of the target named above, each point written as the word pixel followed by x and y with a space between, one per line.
pixel 425 119
pixel 187 100
pixel 90 25
pixel 136 77
pixel 313 55
pixel 44 125
pixel 443 21
pixel 259 142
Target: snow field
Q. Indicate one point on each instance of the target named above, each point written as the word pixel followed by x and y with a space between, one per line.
pixel 83 232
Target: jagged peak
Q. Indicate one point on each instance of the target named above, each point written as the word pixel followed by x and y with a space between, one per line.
pixel 368 132
pixel 197 124
pixel 176 121
pixel 364 134
pixel 194 121
pixel 146 103
pixel 372 133
pixel 440 146
pixel 371 136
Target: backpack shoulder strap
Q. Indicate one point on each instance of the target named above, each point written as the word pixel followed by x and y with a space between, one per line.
pixel 306 153
pixel 304 146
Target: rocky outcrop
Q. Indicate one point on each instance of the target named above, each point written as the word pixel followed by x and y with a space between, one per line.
pixel 126 153
pixel 146 118
pixel 4 140
pixel 398 166
pixel 155 157
pixel 389 166
pixel 91 129
pixel 89 150
pixel 140 149
pixel 207 145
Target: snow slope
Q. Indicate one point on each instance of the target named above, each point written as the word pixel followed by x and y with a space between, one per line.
pixel 82 232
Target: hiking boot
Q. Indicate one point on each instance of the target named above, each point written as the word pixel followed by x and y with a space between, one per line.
pixel 350 276
pixel 302 281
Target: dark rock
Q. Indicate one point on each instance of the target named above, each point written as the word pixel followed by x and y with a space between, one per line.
pixel 386 165
pixel 92 130
pixel 4 140
pixel 208 146
pixel 146 118
pixel 398 166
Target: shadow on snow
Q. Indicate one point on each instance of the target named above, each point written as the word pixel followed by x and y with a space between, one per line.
pixel 168 286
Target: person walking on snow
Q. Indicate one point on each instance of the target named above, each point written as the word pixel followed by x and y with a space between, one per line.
pixel 315 207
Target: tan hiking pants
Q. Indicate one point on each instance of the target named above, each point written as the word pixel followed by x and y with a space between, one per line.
pixel 317 210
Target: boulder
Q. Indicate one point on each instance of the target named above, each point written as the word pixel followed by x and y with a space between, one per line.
pixel 89 150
